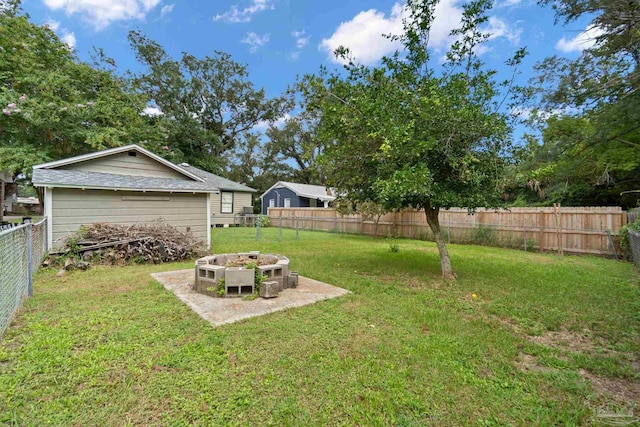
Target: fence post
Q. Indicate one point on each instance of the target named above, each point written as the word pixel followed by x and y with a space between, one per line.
pixel 45 236
pixel 297 229
pixel 258 227
pixel 29 260
pixel 541 237
pixel 613 245
pixel 280 228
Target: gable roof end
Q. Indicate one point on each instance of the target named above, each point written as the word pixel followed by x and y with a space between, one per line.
pixel 117 150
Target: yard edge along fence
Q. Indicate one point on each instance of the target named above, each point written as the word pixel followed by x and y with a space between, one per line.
pixel 634 243
pixel 578 230
pixel 22 249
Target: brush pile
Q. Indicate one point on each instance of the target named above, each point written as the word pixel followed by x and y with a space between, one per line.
pixel 114 244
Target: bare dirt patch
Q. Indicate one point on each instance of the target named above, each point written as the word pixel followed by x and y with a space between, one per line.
pixel 619 389
pixel 565 340
pixel 528 363
pixel 622 391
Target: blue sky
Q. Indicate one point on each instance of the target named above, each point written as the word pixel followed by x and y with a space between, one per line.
pixel 281 39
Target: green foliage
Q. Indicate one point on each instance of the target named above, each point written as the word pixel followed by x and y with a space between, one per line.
pixel 407 135
pixel 221 288
pixel 264 221
pixel 589 110
pixel 218 290
pixel 259 277
pixel 258 165
pixel 55 106
pixel 299 140
pixel 624 237
pixel 208 104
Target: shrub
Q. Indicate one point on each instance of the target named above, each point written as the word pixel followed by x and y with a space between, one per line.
pixel 624 237
pixel 484 236
pixel 264 221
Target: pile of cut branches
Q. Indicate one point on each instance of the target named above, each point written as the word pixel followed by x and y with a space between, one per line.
pixel 114 244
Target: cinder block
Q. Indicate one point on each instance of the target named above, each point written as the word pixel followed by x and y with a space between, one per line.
pixel 292 279
pixel 250 255
pixel 212 272
pixel 269 289
pixel 284 263
pixel 204 260
pixel 239 281
pixel 272 272
pixel 219 260
pixel 231 257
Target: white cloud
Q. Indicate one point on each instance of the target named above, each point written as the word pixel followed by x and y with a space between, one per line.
pixel 498 28
pixel 264 125
pixel 166 10
pixel 152 111
pixel 294 55
pixel 67 37
pixel 584 40
pixel 507 3
pixel 255 41
pixel 101 13
pixel 234 15
pixel 363 34
pixel 52 25
pixel 301 40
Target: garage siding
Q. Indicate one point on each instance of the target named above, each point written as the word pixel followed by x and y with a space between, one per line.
pixel 72 208
pixel 124 164
pixel 240 200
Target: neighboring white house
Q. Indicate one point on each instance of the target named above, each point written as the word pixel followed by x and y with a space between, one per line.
pixel 124 185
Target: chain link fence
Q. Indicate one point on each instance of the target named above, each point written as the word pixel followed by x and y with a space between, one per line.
pixel 22 249
pixel 634 243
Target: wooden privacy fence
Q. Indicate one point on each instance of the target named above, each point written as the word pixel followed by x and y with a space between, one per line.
pixel 589 230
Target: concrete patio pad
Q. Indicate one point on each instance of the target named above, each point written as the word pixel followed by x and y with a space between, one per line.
pixel 219 311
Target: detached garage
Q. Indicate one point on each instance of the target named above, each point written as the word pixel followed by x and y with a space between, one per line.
pixel 124 185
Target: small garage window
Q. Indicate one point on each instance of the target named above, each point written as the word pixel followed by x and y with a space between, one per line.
pixel 226 202
pixel 287 203
pixel 272 203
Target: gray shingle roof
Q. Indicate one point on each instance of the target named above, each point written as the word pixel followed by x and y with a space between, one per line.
pixel 306 190
pixel 217 181
pixel 83 179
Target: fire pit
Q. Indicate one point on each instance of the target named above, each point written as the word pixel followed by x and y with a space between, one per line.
pixel 241 274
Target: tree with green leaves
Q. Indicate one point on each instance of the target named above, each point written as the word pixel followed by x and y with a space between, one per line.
pixel 258 164
pixel 55 106
pixel 208 104
pixel 589 107
pixel 298 140
pixel 412 133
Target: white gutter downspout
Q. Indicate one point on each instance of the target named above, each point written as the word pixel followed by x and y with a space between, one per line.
pixel 209 220
pixel 48 213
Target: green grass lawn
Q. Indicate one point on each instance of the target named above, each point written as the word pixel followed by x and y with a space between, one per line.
pixel 110 346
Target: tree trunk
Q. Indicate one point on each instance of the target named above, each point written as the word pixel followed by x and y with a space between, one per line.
pixel 434 224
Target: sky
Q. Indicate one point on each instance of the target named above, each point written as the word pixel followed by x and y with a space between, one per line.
pixel 282 39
